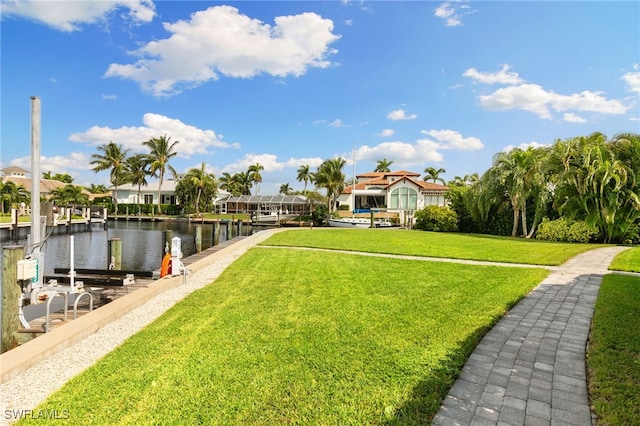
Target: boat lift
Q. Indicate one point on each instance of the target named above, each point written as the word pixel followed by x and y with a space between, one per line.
pixel 36 292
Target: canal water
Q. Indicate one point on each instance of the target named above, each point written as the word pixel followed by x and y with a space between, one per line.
pixel 141 244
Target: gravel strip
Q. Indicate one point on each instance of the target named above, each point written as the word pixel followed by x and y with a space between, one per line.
pixel 30 388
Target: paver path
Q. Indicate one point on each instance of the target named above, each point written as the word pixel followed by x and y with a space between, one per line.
pixel 530 368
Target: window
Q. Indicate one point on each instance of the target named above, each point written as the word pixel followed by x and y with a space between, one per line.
pixel 148 198
pixel 404 198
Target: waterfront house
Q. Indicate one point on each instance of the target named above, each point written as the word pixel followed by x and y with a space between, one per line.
pixel 128 193
pixel 400 191
pixel 20 176
pixel 261 204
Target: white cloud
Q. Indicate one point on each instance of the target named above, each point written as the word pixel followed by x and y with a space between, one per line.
pixel 193 141
pixel 387 132
pixel 452 12
pixel 221 41
pixel 400 114
pixel 58 163
pixel 402 154
pixel 633 80
pixel 501 77
pixel 450 139
pixel 336 123
pixel 534 98
pixel 70 15
pixel 524 146
pixel 570 117
pixel 270 163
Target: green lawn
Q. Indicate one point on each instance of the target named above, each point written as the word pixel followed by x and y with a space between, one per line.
pixel 434 244
pixel 613 357
pixel 303 337
pixel 628 260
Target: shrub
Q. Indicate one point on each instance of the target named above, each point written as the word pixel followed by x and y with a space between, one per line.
pixel 436 218
pixel 563 230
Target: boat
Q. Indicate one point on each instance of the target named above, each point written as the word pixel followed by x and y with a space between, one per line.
pixel 360 222
pixel 350 222
pixel 273 217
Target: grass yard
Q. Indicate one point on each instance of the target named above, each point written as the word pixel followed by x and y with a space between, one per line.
pixel 304 338
pixel 434 244
pixel 613 356
pixel 628 260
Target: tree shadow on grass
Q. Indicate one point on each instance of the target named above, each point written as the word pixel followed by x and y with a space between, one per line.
pixel 429 393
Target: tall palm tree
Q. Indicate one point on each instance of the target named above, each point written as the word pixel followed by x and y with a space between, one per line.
pixel 331 177
pixel 137 170
pixel 383 166
pixel 162 150
pixel 304 175
pixel 434 174
pixel 112 158
pixel 255 176
pixel 201 180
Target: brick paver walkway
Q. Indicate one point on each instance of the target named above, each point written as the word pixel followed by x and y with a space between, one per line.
pixel 530 368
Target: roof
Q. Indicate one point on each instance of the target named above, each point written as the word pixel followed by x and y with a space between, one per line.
pixel 46 185
pixel 383 175
pixel 14 170
pixel 382 179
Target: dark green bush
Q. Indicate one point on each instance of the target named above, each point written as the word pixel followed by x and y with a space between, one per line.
pixel 436 218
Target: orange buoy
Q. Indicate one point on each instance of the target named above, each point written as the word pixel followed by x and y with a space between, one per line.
pixel 166 266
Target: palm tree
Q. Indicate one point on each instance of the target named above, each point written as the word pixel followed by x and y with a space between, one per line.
pixel 70 194
pixel 201 180
pixel 331 177
pixel 383 166
pixel 434 174
pixel 255 176
pixel 244 181
pixel 63 177
pixel 113 158
pixel 11 194
pixel 162 150
pixel 599 188
pixel 97 189
pixel 285 189
pixel 228 183
pixel 137 170
pixel 304 175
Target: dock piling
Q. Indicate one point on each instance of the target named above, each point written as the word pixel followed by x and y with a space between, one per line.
pixel 11 293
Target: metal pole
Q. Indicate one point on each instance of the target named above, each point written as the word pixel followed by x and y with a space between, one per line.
pixel 35 170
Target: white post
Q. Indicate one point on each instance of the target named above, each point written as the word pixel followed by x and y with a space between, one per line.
pixel 72 271
pixel 35 170
pixel 36 228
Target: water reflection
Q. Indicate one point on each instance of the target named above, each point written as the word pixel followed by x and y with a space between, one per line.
pixel 141 244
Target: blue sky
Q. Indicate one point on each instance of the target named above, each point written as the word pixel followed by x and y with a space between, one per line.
pixel 286 83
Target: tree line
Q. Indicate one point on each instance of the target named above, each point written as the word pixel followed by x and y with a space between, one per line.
pixel 588 179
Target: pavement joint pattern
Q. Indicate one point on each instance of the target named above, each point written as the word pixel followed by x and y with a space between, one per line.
pixel 529 369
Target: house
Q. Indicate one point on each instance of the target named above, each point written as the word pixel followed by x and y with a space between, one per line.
pixel 128 193
pixel 20 176
pixel 261 204
pixel 400 191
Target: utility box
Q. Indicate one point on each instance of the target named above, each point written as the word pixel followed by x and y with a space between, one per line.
pixel 27 269
pixel 176 249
